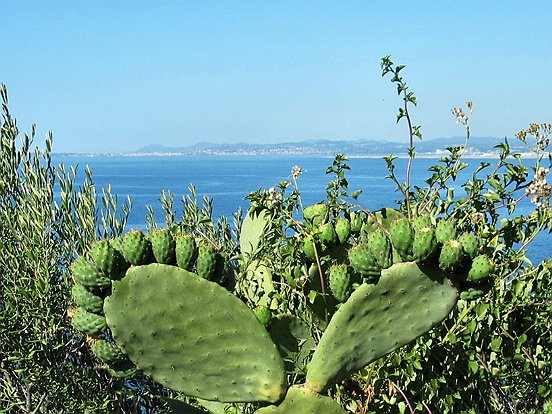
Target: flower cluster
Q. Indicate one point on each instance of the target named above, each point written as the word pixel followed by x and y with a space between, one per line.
pixel 274 196
pixel 461 117
pixel 296 172
pixel 539 189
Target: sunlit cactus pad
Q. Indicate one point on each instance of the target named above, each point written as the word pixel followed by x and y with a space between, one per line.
pixel 377 319
pixel 193 336
pixel 300 400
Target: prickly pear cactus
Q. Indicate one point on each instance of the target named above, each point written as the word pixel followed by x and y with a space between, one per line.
pixel 210 344
pixel 304 401
pixel 407 301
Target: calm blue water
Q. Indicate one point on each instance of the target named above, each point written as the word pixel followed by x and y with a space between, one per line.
pixel 228 179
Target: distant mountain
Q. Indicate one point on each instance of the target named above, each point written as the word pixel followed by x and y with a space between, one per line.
pixel 479 146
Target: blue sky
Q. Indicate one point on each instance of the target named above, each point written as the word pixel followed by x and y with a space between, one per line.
pixel 108 76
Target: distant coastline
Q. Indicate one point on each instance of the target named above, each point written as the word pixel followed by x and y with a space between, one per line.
pixel 479 147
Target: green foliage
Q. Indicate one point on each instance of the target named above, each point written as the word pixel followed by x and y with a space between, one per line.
pixel 44 366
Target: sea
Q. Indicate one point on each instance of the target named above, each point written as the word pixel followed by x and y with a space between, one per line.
pixel 229 179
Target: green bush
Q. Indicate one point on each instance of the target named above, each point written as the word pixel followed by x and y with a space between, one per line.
pixel 44 366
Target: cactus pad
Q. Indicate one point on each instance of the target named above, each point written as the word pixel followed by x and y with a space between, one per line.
pixel 210 345
pixel 302 400
pixel 377 319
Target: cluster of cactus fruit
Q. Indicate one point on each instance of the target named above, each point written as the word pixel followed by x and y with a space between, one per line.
pixel 154 303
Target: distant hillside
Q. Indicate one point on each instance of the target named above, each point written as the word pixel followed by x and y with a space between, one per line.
pixel 479 146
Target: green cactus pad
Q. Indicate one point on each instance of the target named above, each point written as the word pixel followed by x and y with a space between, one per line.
pixel 193 336
pixel 163 246
pixel 88 323
pixel 87 275
pixel 342 229
pixel 106 351
pixel 86 299
pixel 340 282
pixel 136 248
pixel 377 319
pixel 186 251
pixel 301 400
pixel 253 227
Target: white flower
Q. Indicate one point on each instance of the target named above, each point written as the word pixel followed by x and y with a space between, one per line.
pixel 296 172
pixel 461 117
pixel 539 188
pixel 274 195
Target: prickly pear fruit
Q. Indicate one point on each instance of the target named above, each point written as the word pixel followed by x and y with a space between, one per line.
pixel 163 246
pixel 380 248
pixel 88 323
pixel 263 314
pixel 445 230
pixel 421 222
pixel 363 262
pixel 481 268
pixel 472 294
pixel 340 282
pixel 316 214
pixel 470 245
pixel 310 247
pixel 343 229
pixel 206 264
pixel 327 235
pixel 424 245
pixel 402 237
pixel 86 299
pixel 186 251
pixel 106 351
pixel 87 275
pixel 451 255
pixel 136 248
pixel 107 260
